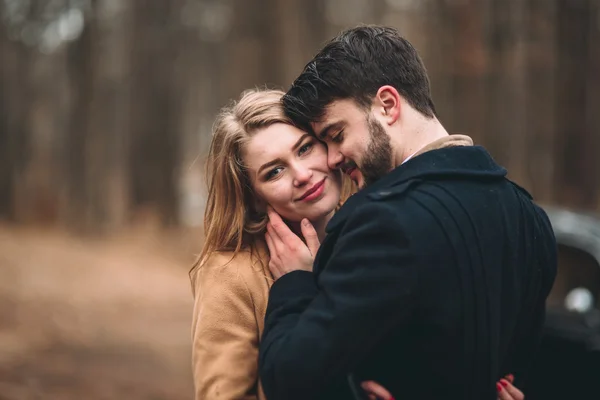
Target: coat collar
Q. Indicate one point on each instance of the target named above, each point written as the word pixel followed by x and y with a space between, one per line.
pixel 434 161
pixel 442 143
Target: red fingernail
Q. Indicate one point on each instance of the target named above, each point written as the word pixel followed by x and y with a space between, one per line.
pixel 504 382
pixel 498 387
pixel 510 377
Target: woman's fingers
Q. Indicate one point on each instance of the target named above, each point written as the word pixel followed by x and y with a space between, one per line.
pixel 279 228
pixel 512 390
pixel 278 245
pixel 310 235
pixel 273 251
pixel 506 391
pixel 502 394
pixel 270 243
pixel 374 389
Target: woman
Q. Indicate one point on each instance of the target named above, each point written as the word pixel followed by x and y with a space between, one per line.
pixel 257 159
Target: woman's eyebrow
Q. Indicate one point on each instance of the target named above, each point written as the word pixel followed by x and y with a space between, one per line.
pixel 299 142
pixel 279 160
pixel 269 164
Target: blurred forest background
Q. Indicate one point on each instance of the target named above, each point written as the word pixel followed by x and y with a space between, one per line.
pixel 106 108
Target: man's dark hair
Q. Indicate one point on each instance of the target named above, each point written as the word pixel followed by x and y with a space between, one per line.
pixel 354 65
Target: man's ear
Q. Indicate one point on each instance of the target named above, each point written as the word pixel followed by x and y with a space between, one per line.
pixel 387 103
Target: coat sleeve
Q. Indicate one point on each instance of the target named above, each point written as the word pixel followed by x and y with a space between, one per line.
pixel 533 322
pixel 366 289
pixel 224 336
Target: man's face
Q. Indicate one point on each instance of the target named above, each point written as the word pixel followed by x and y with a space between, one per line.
pixel 356 142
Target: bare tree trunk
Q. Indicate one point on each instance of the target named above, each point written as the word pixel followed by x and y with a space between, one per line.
pixel 295 33
pixel 7 151
pixel 109 125
pixel 196 112
pixel 80 70
pixel 154 142
pixel 576 183
pixel 592 77
pixel 507 100
pixel 96 166
pixel 14 137
pixel 40 112
pixel 467 63
pixel 542 105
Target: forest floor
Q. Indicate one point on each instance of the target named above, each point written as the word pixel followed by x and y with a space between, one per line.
pixel 94 319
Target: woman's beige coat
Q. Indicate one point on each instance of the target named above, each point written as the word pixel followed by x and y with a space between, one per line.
pixel 230 301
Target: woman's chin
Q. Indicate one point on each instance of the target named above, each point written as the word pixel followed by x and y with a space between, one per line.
pixel 314 214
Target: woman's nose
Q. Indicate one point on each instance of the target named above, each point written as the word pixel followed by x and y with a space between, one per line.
pixel 302 175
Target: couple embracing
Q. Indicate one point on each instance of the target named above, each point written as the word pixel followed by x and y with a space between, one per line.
pixel 354 249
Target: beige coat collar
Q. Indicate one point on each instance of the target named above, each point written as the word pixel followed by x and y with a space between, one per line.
pixel 446 141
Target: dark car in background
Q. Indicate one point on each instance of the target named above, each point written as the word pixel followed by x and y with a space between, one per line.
pixel 568 365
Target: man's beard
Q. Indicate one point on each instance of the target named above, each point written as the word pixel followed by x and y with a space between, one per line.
pixel 377 161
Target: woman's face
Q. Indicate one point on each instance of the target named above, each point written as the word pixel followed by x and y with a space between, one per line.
pixel 288 170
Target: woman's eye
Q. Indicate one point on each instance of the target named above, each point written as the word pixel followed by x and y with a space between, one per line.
pixel 306 147
pixel 273 173
pixel 338 138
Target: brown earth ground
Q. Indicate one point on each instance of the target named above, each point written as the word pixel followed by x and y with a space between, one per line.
pixel 95 319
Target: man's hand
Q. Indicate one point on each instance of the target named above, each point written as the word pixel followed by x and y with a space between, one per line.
pixel 288 251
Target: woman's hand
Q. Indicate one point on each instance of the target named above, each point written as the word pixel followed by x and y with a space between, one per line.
pixel 505 388
pixel 287 251
pixel 375 391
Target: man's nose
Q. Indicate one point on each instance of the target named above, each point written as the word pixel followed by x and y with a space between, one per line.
pixel 334 158
pixel 302 175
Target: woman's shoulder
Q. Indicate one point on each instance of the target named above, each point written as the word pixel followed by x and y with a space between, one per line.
pixel 245 268
pixel 245 261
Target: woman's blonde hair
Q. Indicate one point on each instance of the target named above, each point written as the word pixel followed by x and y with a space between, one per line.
pixel 232 221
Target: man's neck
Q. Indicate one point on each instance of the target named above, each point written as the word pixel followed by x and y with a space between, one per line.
pixel 426 133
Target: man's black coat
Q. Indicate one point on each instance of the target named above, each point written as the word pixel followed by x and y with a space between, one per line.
pixel 432 282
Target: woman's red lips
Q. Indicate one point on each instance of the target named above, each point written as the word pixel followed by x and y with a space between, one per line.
pixel 314 191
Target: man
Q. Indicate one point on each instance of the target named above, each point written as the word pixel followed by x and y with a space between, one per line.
pixel 432 279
